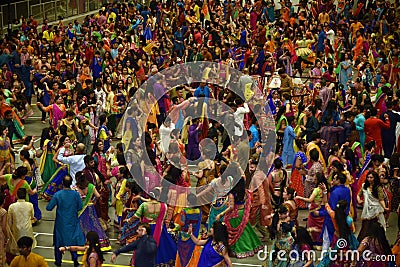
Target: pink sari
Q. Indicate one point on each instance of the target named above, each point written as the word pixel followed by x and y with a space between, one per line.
pixel 58 115
pixel 315 222
pixel 159 223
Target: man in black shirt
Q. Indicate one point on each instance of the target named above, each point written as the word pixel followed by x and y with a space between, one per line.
pixel 145 247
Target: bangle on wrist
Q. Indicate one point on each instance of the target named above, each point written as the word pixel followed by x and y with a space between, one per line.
pixel 325 192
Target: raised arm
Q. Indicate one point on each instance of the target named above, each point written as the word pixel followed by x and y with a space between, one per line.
pixel 195 240
pixel 229 209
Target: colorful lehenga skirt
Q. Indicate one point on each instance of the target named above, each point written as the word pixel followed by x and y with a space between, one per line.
pixel 248 243
pixel 54 184
pixel 166 251
pixel 188 253
pixel 317 223
pixel 297 184
pixel 90 222
pixel 19 129
pixel 129 230
pixel 49 168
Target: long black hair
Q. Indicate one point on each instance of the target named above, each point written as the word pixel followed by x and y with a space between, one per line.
pixel 275 219
pixel 94 244
pixel 350 156
pixel 321 179
pixel 27 156
pixel 239 190
pixel 96 146
pixel 376 185
pixel 220 233
pixel 303 237
pixel 20 172
pixel 338 165
pixel 377 232
pixel 47 133
pixel 341 219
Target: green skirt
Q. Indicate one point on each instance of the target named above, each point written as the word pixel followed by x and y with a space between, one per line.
pixel 49 168
pixel 19 130
pixel 248 244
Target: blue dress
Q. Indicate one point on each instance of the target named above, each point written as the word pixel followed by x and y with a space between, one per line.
pixel 344 74
pixel 209 256
pixel 288 148
pixel 147 33
pixel 34 199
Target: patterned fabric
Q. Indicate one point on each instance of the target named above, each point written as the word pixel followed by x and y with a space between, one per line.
pixel 297 180
pixel 186 247
pixel 54 184
pixel 243 239
pixel 90 222
pixel 209 256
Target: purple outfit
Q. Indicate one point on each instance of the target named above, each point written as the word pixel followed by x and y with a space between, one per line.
pixel 193 151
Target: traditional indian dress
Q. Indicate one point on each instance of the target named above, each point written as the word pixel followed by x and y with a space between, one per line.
pixel 243 240
pixel 104 135
pixel 5 152
pixel 297 180
pixel 193 152
pixel 86 258
pixel 120 196
pixel 89 221
pixel 372 211
pixel 283 242
pixel 375 251
pixel 34 199
pixel 211 255
pixel 188 253
pixel 57 113
pixel 129 230
pixel 351 243
pixel 220 201
pixel 166 252
pixel 345 74
pixel 19 220
pixel 70 128
pixel 316 222
pixel 47 167
pixel 54 184
pixel 362 175
pixel 104 190
pixel 209 173
pixel 293 211
pixel 16 120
